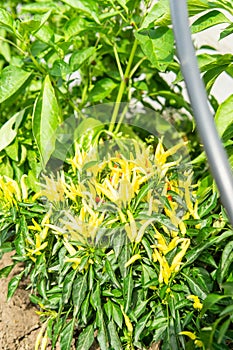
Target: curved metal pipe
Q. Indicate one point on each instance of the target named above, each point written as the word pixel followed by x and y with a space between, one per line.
pixel 216 154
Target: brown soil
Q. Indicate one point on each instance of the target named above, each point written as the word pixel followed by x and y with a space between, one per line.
pixel 19 323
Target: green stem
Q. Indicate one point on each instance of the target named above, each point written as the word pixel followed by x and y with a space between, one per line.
pixel 122 87
pixel 13 44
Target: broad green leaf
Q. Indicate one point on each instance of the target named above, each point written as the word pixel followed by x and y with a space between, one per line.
pixel 157 45
pixel 6 20
pixel 164 220
pixel 95 297
pixel 108 309
pixel 46 117
pixel 86 338
pixel 223 330
pixel 76 26
pixel 208 20
pixel 102 89
pixel 9 130
pixel 12 80
pixel 79 292
pixel 114 338
pixel 224 115
pixel 66 335
pixel 159 14
pixel 13 284
pixel 89 7
pixel 34 24
pixel 79 57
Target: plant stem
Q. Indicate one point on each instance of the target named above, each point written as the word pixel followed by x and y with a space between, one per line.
pixel 122 87
pixel 13 44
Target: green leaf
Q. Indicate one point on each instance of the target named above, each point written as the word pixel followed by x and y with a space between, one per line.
pixel 211 300
pixel 6 20
pixel 79 292
pixel 85 308
pixel 46 116
pixel 223 330
pixel 224 115
pixel 34 24
pixel 128 290
pixel 67 286
pixel 208 205
pixel 90 7
pixel 226 261
pixel 227 31
pixel 66 335
pixel 197 6
pixel 111 274
pixel 9 130
pixel 79 57
pixel 117 315
pixel 12 80
pixel 5 271
pixel 195 287
pixel 87 131
pixel 140 326
pixel 157 45
pixel 164 220
pixel 86 338
pixel 13 284
pixel 76 26
pixel 102 89
pixel 114 338
pixel 158 15
pixel 95 297
pixel 208 20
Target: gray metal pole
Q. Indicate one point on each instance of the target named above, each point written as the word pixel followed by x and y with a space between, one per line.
pixel 214 149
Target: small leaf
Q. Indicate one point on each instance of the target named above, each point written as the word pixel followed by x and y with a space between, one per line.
pixel 11 81
pixel 13 284
pixel 102 89
pixel 226 261
pixel 5 271
pixel 195 287
pixel 86 338
pixel 140 326
pixel 45 120
pixel 79 57
pixel 67 286
pixel 159 14
pixel 117 315
pixel 9 130
pixel 111 274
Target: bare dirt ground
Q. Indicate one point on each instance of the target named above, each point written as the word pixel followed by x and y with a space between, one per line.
pixel 19 323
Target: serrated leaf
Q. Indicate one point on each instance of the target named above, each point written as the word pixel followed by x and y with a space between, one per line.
pixel 86 338
pixel 11 81
pixel 157 45
pixel 46 116
pixel 9 130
